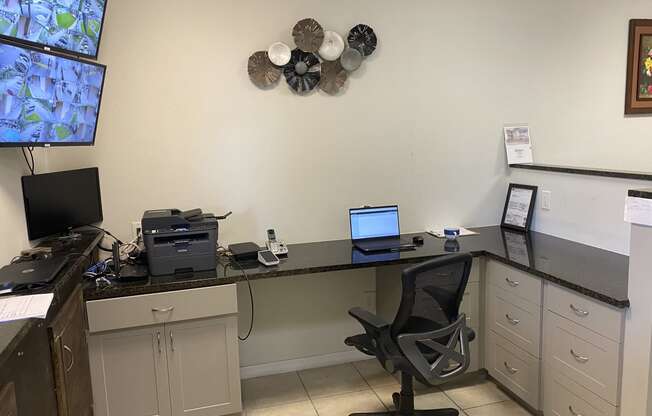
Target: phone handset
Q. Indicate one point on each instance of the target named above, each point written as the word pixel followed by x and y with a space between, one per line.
pixel 277 247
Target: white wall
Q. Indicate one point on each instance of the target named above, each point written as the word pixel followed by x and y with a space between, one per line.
pixel 13 237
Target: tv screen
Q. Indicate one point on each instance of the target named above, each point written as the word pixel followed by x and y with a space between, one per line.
pixel 47 99
pixel 57 202
pixel 65 25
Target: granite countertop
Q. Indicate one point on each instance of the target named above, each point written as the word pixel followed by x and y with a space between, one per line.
pixel 12 333
pixel 596 273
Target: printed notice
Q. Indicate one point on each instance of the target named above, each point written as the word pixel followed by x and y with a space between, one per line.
pixel 518 145
pixel 638 211
pixel 24 307
pixel 518 208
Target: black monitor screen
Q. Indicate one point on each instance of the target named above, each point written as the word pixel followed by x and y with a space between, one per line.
pixel 57 202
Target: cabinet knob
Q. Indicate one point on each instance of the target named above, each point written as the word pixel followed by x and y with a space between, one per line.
pixel 72 358
pixel 573 412
pixel 580 358
pixel 511 369
pixel 512 283
pixel 578 311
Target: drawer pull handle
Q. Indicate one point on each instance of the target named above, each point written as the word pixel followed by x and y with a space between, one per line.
pixel 171 341
pixel 163 310
pixel 511 369
pixel 512 283
pixel 578 311
pixel 72 358
pixel 573 412
pixel 158 339
pixel 512 320
pixel 579 357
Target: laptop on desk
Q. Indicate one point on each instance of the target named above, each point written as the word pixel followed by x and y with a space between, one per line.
pixel 376 229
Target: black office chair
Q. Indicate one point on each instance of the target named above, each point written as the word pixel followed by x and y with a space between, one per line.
pixel 429 339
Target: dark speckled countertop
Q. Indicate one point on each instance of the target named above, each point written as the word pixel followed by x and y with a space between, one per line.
pixel 596 273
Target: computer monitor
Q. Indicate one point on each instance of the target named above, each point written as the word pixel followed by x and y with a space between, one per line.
pixel 58 202
pixel 374 222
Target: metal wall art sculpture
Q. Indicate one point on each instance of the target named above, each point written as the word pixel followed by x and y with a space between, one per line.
pixel 322 58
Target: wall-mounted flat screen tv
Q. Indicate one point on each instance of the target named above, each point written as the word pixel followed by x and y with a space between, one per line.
pixel 73 26
pixel 47 99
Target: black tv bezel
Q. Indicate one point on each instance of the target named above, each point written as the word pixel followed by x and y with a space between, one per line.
pixel 61 50
pixel 30 235
pixel 99 106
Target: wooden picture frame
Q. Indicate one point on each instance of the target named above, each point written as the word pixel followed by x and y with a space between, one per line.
pixel 519 207
pixel 639 68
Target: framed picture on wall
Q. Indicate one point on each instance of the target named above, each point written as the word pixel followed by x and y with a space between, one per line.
pixel 519 207
pixel 639 68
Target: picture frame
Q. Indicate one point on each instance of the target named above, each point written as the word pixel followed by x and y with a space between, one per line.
pixel 519 207
pixel 518 247
pixel 638 98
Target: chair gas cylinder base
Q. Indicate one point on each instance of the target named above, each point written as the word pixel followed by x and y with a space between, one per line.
pixel 429 339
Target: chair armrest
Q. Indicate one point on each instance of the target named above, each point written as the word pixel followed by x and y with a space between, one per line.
pixel 368 319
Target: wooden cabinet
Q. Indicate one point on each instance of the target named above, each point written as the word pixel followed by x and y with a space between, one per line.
pixel 203 367
pixel 8 406
pixel 70 358
pixel 177 368
pixel 129 372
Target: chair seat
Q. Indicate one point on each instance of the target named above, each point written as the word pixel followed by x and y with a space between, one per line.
pixel 363 343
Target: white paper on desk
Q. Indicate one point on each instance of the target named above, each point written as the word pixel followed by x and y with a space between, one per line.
pixel 24 307
pixel 638 211
pixel 518 145
pixel 463 232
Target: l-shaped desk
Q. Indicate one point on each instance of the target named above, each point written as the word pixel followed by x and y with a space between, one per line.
pixel 549 312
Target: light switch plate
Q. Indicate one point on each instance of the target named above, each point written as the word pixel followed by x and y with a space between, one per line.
pixel 546 200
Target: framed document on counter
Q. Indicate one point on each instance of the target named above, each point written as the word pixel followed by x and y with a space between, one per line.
pixel 519 207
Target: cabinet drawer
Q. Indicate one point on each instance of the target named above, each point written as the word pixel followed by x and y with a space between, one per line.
pixel 137 311
pixel 514 368
pixel 596 316
pixel 515 282
pixel 563 397
pixel 515 319
pixel 588 359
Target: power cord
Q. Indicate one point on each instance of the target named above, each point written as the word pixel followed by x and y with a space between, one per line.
pixel 107 232
pixel 221 251
pixel 31 166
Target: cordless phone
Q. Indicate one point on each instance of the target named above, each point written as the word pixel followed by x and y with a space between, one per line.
pixel 275 246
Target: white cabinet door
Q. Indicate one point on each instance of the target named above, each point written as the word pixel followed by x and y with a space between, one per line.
pixel 204 367
pixel 129 373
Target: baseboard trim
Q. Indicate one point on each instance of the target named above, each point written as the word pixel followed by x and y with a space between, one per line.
pixel 299 364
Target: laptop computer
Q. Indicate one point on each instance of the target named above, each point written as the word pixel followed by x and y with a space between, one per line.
pixel 28 273
pixel 375 229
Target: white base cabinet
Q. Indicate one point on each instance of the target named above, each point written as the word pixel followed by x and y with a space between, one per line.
pixel 185 364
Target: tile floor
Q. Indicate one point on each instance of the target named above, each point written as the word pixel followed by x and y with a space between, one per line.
pixel 363 387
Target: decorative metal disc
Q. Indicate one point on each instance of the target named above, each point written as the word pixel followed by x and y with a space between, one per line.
pixel 351 59
pixel 332 47
pixel 262 71
pixel 333 77
pixel 300 81
pixel 308 35
pixel 280 54
pixel 363 38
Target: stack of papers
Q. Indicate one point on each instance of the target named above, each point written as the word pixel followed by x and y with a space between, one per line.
pixel 463 232
pixel 25 307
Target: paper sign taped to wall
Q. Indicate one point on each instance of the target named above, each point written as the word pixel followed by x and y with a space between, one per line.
pixel 638 211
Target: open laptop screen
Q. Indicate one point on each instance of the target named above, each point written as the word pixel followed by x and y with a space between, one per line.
pixel 374 222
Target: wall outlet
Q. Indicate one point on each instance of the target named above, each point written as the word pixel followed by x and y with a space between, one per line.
pixel 136 230
pixel 546 200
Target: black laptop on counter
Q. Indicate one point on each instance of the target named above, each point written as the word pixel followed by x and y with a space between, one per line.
pixel 376 229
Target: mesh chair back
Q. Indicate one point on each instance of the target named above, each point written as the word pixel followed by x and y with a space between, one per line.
pixel 428 326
